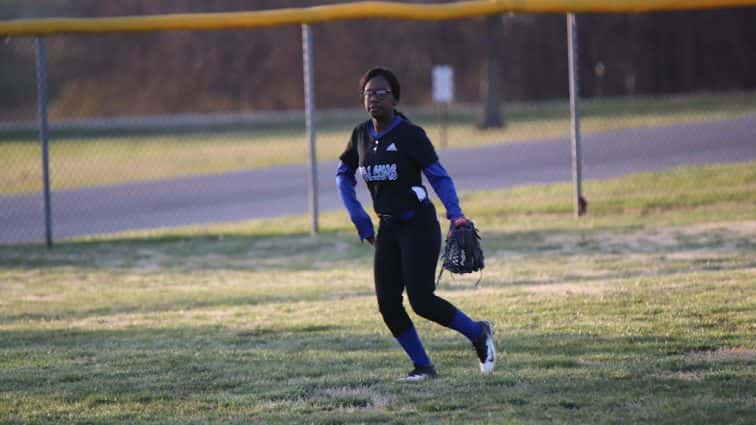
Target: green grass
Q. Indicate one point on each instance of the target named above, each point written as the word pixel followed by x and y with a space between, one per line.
pixel 641 312
pixel 103 158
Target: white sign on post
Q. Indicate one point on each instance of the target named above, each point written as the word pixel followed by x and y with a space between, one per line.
pixel 443 94
pixel 443 84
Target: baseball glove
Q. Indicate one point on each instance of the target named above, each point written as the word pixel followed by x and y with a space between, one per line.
pixel 462 252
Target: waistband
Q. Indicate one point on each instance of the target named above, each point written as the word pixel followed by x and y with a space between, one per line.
pixel 406 215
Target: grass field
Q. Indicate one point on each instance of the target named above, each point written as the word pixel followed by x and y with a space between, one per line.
pixel 107 157
pixel 643 312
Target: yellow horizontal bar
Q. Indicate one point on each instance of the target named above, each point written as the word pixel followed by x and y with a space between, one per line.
pixel 346 11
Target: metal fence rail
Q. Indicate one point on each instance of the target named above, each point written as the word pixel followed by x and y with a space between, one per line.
pixel 348 11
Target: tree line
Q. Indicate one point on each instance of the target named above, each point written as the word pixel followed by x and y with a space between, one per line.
pixel 261 69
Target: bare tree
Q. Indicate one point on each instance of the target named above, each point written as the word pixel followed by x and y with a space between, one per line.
pixel 490 82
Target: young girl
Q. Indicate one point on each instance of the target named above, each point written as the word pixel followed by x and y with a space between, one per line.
pixel 390 153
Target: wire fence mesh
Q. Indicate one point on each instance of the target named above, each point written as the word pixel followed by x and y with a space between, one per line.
pixel 145 132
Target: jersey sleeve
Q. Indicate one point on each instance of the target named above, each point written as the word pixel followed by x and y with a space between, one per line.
pixel 346 183
pixel 422 152
pixel 350 156
pixel 444 187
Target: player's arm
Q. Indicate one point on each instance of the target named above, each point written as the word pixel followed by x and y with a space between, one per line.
pixel 346 183
pixel 443 185
pixel 424 155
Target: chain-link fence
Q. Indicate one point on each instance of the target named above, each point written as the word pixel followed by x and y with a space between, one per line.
pixel 20 151
pixel 165 129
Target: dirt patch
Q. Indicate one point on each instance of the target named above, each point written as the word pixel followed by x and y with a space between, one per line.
pixel 741 228
pixel 684 376
pixel 572 288
pixel 42 298
pixel 724 355
pixel 716 236
pixel 355 398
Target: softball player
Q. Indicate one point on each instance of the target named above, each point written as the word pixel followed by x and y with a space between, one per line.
pixel 390 152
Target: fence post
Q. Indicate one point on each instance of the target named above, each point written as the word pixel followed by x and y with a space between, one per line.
pixel 577 175
pixel 42 116
pixel 309 88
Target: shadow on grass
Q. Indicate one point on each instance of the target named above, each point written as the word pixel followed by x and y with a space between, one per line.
pixel 307 371
pixel 202 251
pixel 306 344
pixel 333 250
pixel 179 303
pixel 612 240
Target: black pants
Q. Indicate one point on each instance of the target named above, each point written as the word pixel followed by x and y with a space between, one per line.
pixel 406 254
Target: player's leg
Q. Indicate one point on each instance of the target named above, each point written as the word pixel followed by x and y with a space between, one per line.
pixel 388 288
pixel 420 245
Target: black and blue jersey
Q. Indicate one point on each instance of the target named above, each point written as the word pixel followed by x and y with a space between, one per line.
pixel 391 163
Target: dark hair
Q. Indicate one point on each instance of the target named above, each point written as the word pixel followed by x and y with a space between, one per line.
pixel 385 73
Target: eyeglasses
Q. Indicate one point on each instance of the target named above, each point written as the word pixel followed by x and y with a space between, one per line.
pixel 378 93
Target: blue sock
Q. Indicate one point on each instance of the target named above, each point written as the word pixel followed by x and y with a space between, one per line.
pixel 411 343
pixel 466 326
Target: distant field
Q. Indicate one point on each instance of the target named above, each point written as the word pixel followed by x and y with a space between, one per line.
pixel 81 159
pixel 641 312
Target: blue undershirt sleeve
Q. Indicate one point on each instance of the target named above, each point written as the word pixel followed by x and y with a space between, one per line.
pixel 444 187
pixel 346 183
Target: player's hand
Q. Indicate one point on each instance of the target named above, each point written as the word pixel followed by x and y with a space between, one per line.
pixel 370 240
pixel 460 221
